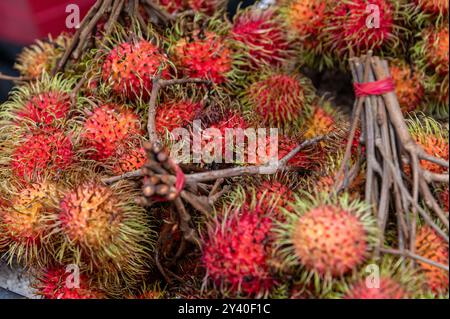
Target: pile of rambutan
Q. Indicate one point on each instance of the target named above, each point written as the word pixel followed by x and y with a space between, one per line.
pixel 94 205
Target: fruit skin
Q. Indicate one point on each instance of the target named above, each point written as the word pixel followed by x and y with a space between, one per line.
pixel 278 99
pixel 207 6
pixel 41 152
pixel 172 6
pixel 204 56
pixel 408 85
pixel 108 128
pixel 45 108
pixel 176 114
pixel 25 221
pixel 236 251
pixel 261 32
pixel 40 57
pixel 432 137
pixel 52 284
pixel 431 246
pixel 429 11
pixel 346 31
pixel 129 158
pixel 274 196
pixel 389 289
pixel 129 69
pixel 326 237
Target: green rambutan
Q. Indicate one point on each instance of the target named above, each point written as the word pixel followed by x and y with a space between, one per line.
pixel 41 57
pixel 25 223
pixel 347 32
pixel 129 68
pixel 278 99
pixel 40 152
pixel 408 85
pixel 107 128
pixel 431 246
pixel 57 283
pixel 326 237
pixel 236 251
pixel 261 32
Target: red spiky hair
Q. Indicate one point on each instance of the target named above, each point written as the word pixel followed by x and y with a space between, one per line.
pixel 176 114
pixel 437 49
pixel 435 7
pixel 107 128
pixel 321 122
pixel 278 99
pixel 172 6
pixel 129 68
pixel 206 6
pixel 329 240
pixel 347 26
pixel 205 56
pixel 56 283
pixel 388 289
pixel 408 85
pixel 432 246
pixel 127 159
pixel 262 33
pixel 274 194
pixel 46 107
pixel 42 151
pixel 235 252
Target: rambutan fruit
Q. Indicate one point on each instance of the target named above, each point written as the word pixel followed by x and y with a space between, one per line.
pixel 25 223
pixel 408 85
pixel 261 32
pixel 236 251
pixel 205 55
pixel 432 51
pixel 41 57
pixel 326 237
pixel 347 31
pixel 444 198
pixel 128 158
pixel 433 138
pixel 431 246
pixel 278 99
pixel 207 6
pixel 129 68
pixel 172 6
pixel 436 10
pixel 153 292
pixel 176 114
pixel 57 283
pixel 42 152
pixel 323 120
pixel 107 231
pixel 107 128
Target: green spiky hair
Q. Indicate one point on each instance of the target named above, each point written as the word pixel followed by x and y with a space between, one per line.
pixel 115 243
pixel 325 238
pixel 205 42
pixel 397 280
pixel 421 13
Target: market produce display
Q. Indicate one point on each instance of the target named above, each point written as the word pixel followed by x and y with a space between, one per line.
pixel 165 150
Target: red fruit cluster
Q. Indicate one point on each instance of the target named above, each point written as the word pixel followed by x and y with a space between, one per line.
pixel 172 115
pixel 273 195
pixel 129 68
pixel 235 253
pixel 46 107
pixel 42 150
pixel 435 146
pixel 329 240
pixel 262 33
pixel 58 284
pixel 431 246
pixel 408 87
pixel 128 159
pixel 388 289
pixel 205 57
pixel 107 129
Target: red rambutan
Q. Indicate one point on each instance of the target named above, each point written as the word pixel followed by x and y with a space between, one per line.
pixel 408 85
pixel 128 159
pixel 206 6
pixel 388 289
pixel 435 7
pixel 172 6
pixel 129 68
pixel 431 246
pixel 42 151
pixel 172 115
pixel 107 128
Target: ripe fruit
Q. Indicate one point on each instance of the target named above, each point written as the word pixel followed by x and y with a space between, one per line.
pixel 129 68
pixel 41 152
pixel 408 85
pixel 435 7
pixel 431 246
pixel 127 159
pixel 206 6
pixel 172 6
pixel 45 108
pixel 107 128
pixel 388 289
pixel 204 56
pixel 235 251
pixel 26 220
pixel 327 236
pixel 41 57
pixel 435 49
pixel 57 283
pixel 278 99
pixel 274 195
pixel 321 122
pixel 444 197
pixel 347 31
pixel 261 32
pixel 176 114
